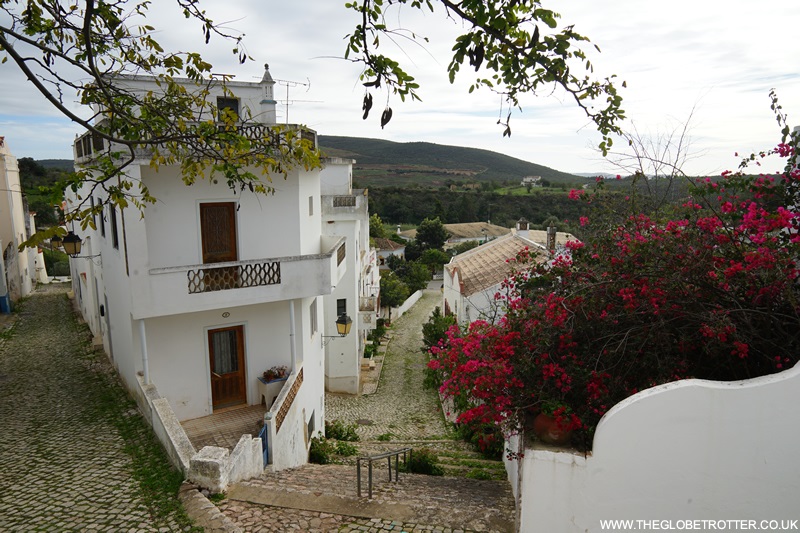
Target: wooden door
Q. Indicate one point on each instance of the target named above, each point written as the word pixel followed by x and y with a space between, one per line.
pixel 226 354
pixel 218 234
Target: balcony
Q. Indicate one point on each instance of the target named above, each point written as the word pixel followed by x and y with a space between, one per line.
pixel 345 206
pixel 203 287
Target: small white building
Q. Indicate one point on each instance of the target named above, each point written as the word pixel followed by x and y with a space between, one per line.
pixel 387 248
pixel 473 278
pixel 20 269
pixel 532 181
pixel 213 287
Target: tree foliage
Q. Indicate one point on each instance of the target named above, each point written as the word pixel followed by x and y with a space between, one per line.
pixel 514 48
pixel 431 234
pixel 86 48
pixel 376 229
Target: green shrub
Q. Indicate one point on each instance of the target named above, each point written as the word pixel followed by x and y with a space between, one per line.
pixel 423 461
pixel 346 449
pixel 320 451
pixel 338 430
pixel 478 474
pixel 60 268
pixel 487 438
pixel 384 437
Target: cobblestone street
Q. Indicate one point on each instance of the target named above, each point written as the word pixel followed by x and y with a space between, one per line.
pixel 401 407
pixel 74 452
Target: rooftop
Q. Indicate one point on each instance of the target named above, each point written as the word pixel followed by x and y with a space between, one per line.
pixel 487 265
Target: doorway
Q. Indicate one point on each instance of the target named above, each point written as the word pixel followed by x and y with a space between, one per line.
pixel 226 356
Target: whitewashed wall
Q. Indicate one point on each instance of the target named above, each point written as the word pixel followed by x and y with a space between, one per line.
pixel 689 450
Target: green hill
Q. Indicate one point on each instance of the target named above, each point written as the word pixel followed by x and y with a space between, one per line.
pixel 385 163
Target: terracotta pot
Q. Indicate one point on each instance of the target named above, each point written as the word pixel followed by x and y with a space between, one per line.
pixel 546 429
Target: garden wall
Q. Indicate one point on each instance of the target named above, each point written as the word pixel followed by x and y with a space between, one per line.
pixel 397 312
pixel 689 450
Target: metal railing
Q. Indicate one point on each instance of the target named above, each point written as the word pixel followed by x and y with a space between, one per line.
pixel 388 456
pixel 233 276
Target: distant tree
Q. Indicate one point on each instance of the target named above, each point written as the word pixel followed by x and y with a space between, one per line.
pixel 29 168
pixel 462 247
pixel 45 213
pixel 413 250
pixel 414 274
pixel 393 291
pixel 434 259
pixel 376 228
pixel 431 234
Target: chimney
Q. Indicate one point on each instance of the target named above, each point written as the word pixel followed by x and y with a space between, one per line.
pixel 522 228
pixel 551 239
pixel 268 111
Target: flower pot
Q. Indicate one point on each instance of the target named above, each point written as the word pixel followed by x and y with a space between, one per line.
pixel 546 429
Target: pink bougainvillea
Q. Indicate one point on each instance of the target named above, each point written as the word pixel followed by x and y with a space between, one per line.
pixel 709 291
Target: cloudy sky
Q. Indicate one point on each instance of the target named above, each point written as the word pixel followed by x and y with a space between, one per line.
pixel 711 59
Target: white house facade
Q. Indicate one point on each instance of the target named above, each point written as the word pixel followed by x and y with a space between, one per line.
pixel 213 287
pixel 345 214
pixel 20 270
pixel 473 278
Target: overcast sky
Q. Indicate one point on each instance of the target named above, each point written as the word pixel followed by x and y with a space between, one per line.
pixel 718 58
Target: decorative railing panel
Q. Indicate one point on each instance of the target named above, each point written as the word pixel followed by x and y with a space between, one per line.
pixel 340 253
pixel 344 201
pixel 287 401
pixel 368 303
pixel 220 278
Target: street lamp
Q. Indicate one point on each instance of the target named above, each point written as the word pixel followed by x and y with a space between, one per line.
pixel 72 244
pixel 343 325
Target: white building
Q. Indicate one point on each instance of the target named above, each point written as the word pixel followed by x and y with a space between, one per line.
pixel 345 214
pixel 21 269
pixel 212 287
pixel 473 278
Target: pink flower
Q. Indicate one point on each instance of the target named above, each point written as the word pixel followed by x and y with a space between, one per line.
pixel 584 221
pixel 575 194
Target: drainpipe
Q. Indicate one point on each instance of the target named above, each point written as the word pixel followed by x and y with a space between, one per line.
pixel 145 363
pixel 292 348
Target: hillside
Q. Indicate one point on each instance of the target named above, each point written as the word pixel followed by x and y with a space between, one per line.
pixel 385 163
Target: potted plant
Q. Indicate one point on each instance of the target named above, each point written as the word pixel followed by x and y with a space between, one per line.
pixel 276 372
pixel 555 423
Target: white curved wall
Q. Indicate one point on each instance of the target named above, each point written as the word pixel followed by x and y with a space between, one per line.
pixel 689 450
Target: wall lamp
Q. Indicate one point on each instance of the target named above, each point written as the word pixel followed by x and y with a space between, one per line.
pixel 72 245
pixel 343 325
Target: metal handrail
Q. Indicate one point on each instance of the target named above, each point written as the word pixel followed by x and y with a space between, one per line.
pixel 385 455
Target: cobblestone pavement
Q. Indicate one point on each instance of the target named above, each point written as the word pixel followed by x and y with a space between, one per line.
pixel 65 463
pixel 401 407
pixel 411 414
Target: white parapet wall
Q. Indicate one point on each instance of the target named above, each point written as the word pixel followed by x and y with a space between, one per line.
pixel 676 456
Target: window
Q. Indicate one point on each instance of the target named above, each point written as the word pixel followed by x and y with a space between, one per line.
pixel 114 234
pixel 313 316
pixel 102 222
pixel 340 254
pixel 310 205
pixel 94 218
pixel 231 104
pixel 341 307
